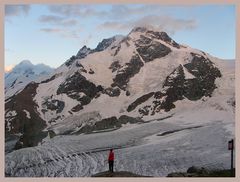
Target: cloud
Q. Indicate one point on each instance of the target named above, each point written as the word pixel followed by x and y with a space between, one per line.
pixel 72 34
pixel 126 11
pixel 66 33
pixel 166 23
pixel 50 18
pixel 115 18
pixel 57 20
pixel 75 10
pixel 87 40
pixel 133 10
pixel 123 11
pixel 115 11
pixel 163 23
pixel 115 25
pixel 51 30
pixel 9 68
pixel 17 10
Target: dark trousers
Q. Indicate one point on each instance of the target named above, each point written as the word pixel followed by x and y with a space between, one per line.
pixel 110 166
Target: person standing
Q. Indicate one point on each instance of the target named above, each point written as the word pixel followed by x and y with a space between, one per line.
pixel 111 160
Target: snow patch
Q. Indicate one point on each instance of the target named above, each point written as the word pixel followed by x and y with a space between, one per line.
pixel 27 113
pixel 187 74
pixel 11 113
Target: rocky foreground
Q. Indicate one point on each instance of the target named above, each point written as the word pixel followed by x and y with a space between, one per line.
pixel 117 174
pixel 191 172
pixel 202 172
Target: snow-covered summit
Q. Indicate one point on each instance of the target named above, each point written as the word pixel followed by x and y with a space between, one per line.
pixel 144 29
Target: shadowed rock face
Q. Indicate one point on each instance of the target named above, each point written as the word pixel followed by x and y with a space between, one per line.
pixel 174 91
pixel 139 101
pixel 117 49
pixel 109 123
pixel 104 44
pixel 205 73
pixel 79 88
pixel 115 66
pixel 130 69
pixel 49 79
pixel 70 60
pixel 164 37
pixel 54 105
pixel 150 50
pixel 112 92
pixel 157 35
pixel 76 84
pixel 176 86
pixel 77 108
pixel 104 124
pixel 143 41
pixel 173 86
pixel 30 126
pixel 82 53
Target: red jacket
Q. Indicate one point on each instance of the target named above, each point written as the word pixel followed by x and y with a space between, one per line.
pixel 111 156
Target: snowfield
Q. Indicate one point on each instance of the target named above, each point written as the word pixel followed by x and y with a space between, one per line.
pixel 197 137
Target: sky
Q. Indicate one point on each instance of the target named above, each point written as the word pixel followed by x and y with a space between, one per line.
pixel 52 33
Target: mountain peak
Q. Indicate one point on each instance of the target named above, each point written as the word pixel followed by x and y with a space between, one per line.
pixel 151 32
pixel 25 62
pixel 84 50
pixel 22 74
pixel 105 43
pixel 145 28
pixel 139 29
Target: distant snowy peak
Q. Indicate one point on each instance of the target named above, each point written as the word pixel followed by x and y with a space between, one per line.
pixel 24 62
pixel 22 74
pixel 26 67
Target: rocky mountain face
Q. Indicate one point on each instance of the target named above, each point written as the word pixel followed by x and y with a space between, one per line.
pixel 177 87
pixel 125 79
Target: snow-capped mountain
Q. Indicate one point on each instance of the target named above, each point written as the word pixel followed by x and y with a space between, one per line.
pixel 140 94
pixel 22 74
pixel 126 79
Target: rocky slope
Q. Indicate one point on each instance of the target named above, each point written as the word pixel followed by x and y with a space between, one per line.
pixel 125 79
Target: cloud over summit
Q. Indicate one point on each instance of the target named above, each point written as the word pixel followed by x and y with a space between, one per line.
pixel 163 23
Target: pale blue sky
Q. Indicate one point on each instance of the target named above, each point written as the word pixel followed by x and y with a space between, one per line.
pixel 51 34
